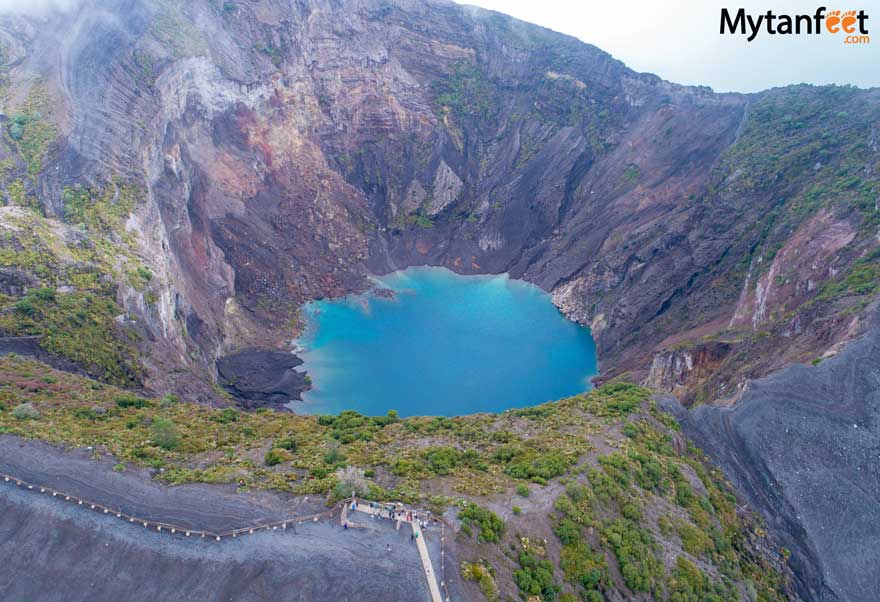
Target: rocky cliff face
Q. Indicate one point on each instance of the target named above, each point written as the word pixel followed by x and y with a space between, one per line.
pixel 179 177
pixel 281 152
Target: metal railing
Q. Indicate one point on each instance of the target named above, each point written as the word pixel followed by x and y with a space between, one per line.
pixel 173 529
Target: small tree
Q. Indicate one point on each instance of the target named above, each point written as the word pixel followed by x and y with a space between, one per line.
pixel 349 480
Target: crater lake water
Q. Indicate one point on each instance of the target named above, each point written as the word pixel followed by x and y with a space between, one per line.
pixel 443 344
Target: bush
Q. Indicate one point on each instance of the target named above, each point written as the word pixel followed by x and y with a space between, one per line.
pixel 523 490
pixel 475 571
pixel 615 399
pixel 287 443
pixel 636 555
pixel 539 468
pixel 225 416
pixel 568 531
pixel 25 307
pixel 165 434
pixel 443 459
pixel 26 411
pixel 93 413
pixel 517 510
pixel 168 400
pixel 535 578
pixel 350 480
pixel 276 456
pixel 582 565
pixel 491 525
pixel 129 401
pixel 43 293
pixel 334 456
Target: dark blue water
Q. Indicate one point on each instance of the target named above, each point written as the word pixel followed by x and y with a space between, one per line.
pixel 444 345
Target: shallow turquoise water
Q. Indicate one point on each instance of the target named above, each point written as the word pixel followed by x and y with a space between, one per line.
pixel 444 345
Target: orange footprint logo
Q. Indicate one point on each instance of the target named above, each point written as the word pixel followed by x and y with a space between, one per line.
pixel 832 21
pixel 848 21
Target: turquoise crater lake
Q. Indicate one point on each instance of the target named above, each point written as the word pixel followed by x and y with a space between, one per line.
pixel 442 344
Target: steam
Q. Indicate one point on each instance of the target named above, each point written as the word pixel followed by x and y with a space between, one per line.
pixel 38 8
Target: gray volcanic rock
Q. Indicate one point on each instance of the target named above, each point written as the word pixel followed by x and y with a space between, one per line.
pixel 54 550
pixel 803 447
pixel 262 375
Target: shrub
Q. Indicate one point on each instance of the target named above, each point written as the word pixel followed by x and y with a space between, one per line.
pixel 443 459
pixel 522 489
pixel 635 551
pixel 225 416
pixel 538 468
pixel 568 531
pixel 168 400
pixel 475 571
pixel 129 401
pixel 581 564
pixel 25 307
pixel 276 456
pixel 693 540
pixel 490 524
pixel 615 399
pixel 93 413
pixel 535 578
pixel 517 510
pixel 25 411
pixel 334 456
pixel 287 443
pixel 165 434
pixel 44 293
pixel 350 480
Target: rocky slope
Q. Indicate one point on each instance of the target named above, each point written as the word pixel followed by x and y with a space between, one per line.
pixel 802 446
pixel 271 153
pixel 179 177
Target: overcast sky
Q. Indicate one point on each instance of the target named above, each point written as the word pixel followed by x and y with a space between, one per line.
pixel 679 40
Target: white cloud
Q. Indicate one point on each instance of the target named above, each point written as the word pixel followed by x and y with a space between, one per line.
pixel 36 7
pixel 680 41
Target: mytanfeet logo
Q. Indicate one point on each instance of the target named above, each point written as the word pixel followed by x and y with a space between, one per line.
pixel 850 25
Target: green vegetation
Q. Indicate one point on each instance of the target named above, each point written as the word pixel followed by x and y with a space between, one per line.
pixel 78 326
pixel 31 131
pixel 25 411
pixel 585 567
pixel 612 500
pixel 490 524
pixel 277 456
pixel 468 93
pixel 601 519
pixel 535 576
pixel 862 278
pixel 482 574
pixel 805 147
pixel 175 31
pixel 275 54
pixel 102 210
